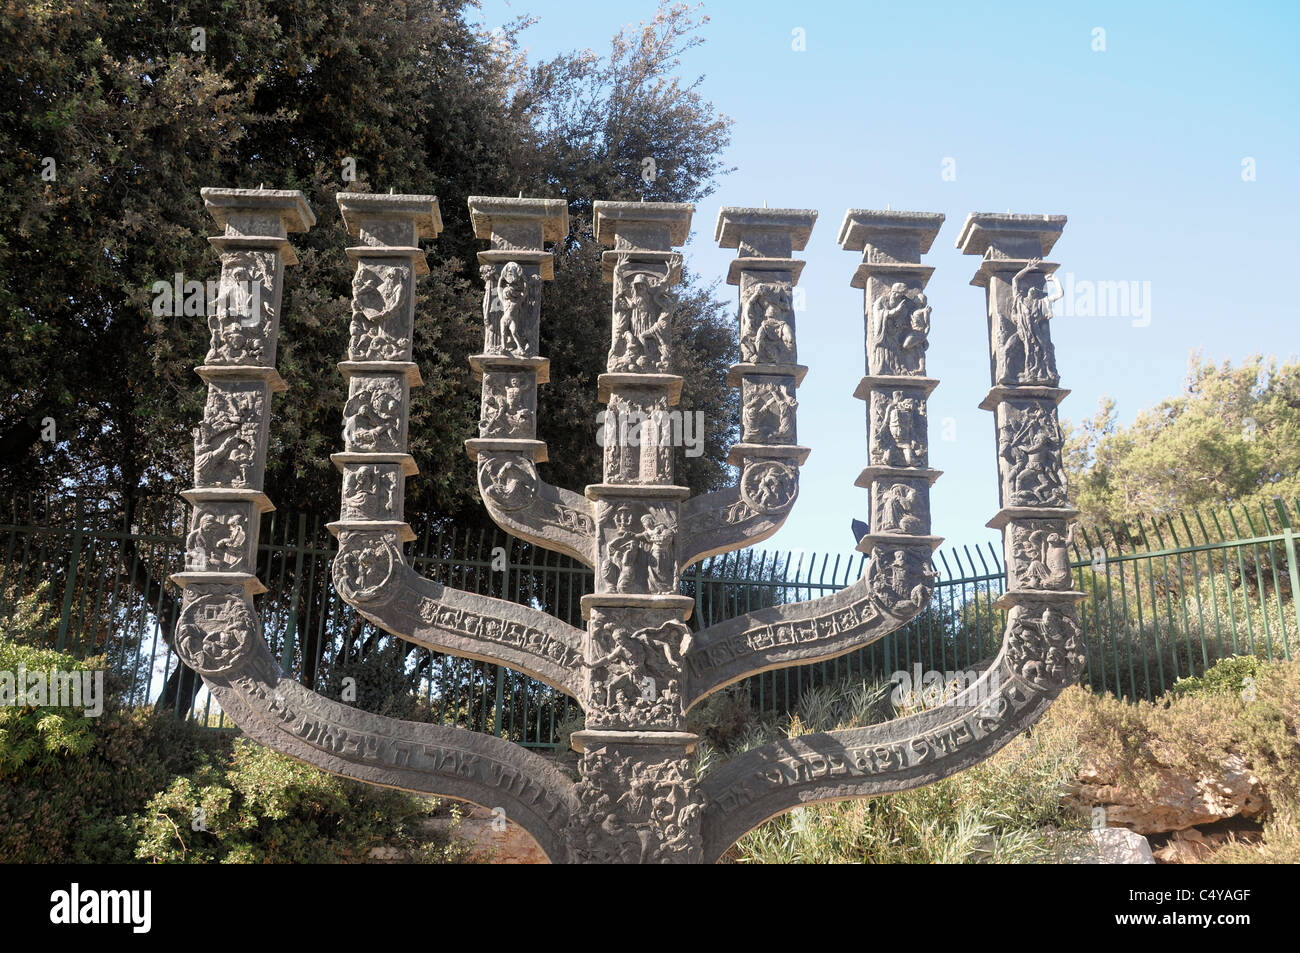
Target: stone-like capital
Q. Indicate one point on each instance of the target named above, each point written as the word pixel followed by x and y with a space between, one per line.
pixel 648 226
pixel 1007 235
pixel 764 232
pixel 889 236
pixel 518 223
pixel 390 221
pixel 259 211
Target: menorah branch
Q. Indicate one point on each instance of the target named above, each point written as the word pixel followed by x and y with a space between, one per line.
pixel 768 455
pixel 370 572
pixel 507 450
pixel 429 759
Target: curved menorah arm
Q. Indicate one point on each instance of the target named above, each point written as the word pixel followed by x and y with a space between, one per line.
pixel 886 598
pixel 507 450
pixel 219 633
pixel 897 583
pixel 1040 656
pixel 372 576
pixel 370 572
pixel 768 454
pixel 437 760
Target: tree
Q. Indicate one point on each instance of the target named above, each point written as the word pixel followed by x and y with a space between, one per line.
pixel 1232 436
pixel 116 113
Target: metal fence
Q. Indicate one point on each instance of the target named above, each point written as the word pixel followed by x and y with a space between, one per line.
pixel 1165 598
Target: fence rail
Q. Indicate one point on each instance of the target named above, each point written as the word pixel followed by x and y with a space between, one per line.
pixel 1165 599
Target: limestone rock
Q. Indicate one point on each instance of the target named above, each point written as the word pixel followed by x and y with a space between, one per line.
pixel 1178 803
pixel 1111 845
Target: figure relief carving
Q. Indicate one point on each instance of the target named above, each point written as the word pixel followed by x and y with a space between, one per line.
pixel 1045 646
pixel 216 629
pixel 380 309
pixel 899 331
pixel 769 412
pixel 225 443
pixel 901 508
pixel 370 491
pixel 1030 446
pixel 766 336
pixel 900 580
pixel 634 674
pixel 898 430
pixel 243 315
pixel 507 407
pixel 519 296
pixel 507 482
pixel 218 539
pixel 1042 558
pixel 769 486
pixel 637 436
pixel 373 416
pixel 1024 351
pixel 643 309
pixel 637 812
pixel 365 566
pixel 638 546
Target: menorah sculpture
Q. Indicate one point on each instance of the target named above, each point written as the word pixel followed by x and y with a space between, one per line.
pixel 638 668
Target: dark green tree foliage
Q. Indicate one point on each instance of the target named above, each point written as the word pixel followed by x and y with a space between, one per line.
pixel 114 114
pixel 137 120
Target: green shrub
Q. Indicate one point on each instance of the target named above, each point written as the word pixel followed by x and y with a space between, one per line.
pixel 264 807
pixel 1229 676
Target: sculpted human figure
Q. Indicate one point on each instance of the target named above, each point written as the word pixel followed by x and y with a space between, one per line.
pixel 657 539
pixel 220 540
pixel 369 487
pixel 514 291
pixel 1049 567
pixel 897 505
pixel 371 418
pixel 624 552
pixel 1033 449
pixel 508 483
pixel 891 315
pixel 769 412
pixel 916 338
pixel 506 412
pixel 491 312
pixel 378 292
pixel 238 317
pixel 767 338
pixel 224 448
pixel 642 310
pixel 620 668
pixel 1031 309
pixel 897 437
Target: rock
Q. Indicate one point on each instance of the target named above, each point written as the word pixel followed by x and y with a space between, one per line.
pixel 1179 802
pixel 1110 845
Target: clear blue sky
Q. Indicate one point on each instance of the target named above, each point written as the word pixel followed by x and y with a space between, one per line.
pixel 1141 146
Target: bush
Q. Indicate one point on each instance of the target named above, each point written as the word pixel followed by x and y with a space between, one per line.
pixel 264 807
pixel 131 784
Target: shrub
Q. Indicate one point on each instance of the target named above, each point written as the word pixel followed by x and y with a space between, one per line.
pixel 264 807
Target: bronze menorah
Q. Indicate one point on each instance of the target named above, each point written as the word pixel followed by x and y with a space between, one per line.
pixel 638 668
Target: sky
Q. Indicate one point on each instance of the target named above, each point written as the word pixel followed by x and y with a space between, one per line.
pixel 1167 133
